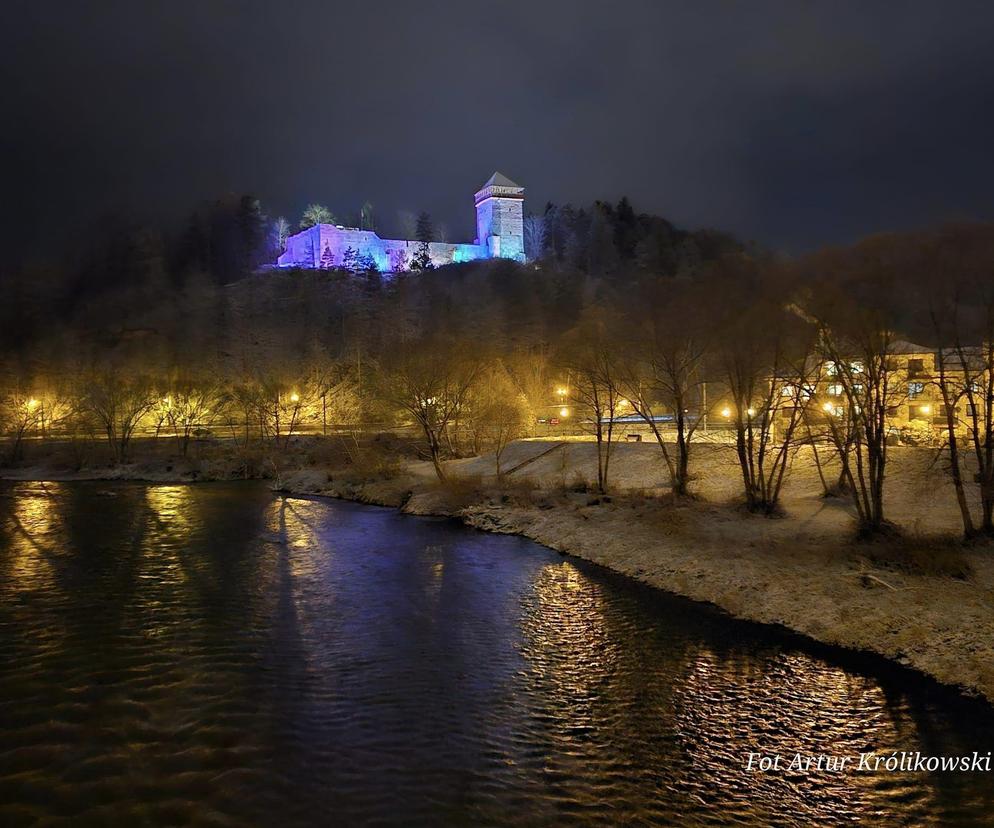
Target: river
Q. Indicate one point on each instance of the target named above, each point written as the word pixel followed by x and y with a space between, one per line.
pixel 217 655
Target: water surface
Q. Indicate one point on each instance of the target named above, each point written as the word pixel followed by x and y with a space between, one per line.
pixel 216 655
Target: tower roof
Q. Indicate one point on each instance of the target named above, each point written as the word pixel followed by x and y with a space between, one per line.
pixel 498 179
pixel 499 185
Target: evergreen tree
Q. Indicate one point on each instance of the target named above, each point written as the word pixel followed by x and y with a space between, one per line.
pixel 350 260
pixel 327 259
pixel 425 233
pixel 422 258
pixel 627 231
pixel 602 255
pixel 251 225
pixel 365 263
pixel 425 228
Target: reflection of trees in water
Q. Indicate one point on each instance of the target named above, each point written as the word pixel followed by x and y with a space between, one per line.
pixel 568 646
pixel 922 720
pixel 33 534
pixel 778 702
pixel 684 697
pixel 774 701
pixel 203 628
pixel 601 678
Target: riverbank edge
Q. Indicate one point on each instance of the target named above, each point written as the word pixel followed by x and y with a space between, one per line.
pixel 516 520
pixel 572 534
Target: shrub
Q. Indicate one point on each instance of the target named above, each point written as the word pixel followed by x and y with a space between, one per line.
pixel 917 433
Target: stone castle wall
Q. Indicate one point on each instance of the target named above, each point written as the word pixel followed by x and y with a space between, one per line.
pixel 306 249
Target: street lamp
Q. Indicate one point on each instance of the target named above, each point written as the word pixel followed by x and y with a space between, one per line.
pixel 564 412
pixel 726 412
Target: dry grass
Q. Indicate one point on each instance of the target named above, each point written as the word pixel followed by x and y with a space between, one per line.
pixel 457 492
pixel 942 556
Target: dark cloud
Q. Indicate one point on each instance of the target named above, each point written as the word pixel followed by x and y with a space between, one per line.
pixel 792 123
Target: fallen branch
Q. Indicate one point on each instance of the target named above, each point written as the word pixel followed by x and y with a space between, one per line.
pixel 881 581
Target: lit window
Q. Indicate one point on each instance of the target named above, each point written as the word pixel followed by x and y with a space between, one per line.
pixel 915 390
pixel 835 390
pixel 856 367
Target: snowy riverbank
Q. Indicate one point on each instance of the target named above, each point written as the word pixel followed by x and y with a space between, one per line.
pixel 802 571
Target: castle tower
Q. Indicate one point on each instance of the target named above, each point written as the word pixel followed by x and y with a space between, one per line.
pixel 499 220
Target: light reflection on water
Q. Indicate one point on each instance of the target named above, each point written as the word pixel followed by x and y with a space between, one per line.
pixel 214 653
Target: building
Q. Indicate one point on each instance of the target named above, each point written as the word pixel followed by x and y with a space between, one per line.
pixel 915 406
pixel 499 234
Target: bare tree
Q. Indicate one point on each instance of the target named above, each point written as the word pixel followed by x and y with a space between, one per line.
pixel 765 354
pixel 665 370
pixel 192 404
pixel 118 402
pixel 280 407
pixel 534 235
pixel 961 312
pixel 591 355
pixel 281 231
pixel 316 214
pixel 498 412
pixel 430 379
pixel 21 414
pixel 853 306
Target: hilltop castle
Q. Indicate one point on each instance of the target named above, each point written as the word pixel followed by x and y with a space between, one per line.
pixel 499 234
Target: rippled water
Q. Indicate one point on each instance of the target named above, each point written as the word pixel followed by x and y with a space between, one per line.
pixel 166 658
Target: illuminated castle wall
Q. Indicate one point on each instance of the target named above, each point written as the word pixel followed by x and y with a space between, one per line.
pixel 499 205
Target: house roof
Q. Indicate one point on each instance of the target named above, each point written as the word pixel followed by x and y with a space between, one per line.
pixel 902 346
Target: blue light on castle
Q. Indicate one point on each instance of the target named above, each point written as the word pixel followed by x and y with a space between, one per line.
pixel 499 227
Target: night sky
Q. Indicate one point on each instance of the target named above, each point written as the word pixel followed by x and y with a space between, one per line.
pixel 791 123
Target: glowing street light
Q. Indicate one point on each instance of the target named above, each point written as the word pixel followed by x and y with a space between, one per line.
pixel 828 407
pixel 564 412
pixel 295 397
pixel 32 404
pixel 925 409
pixel 751 411
pixel 726 412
